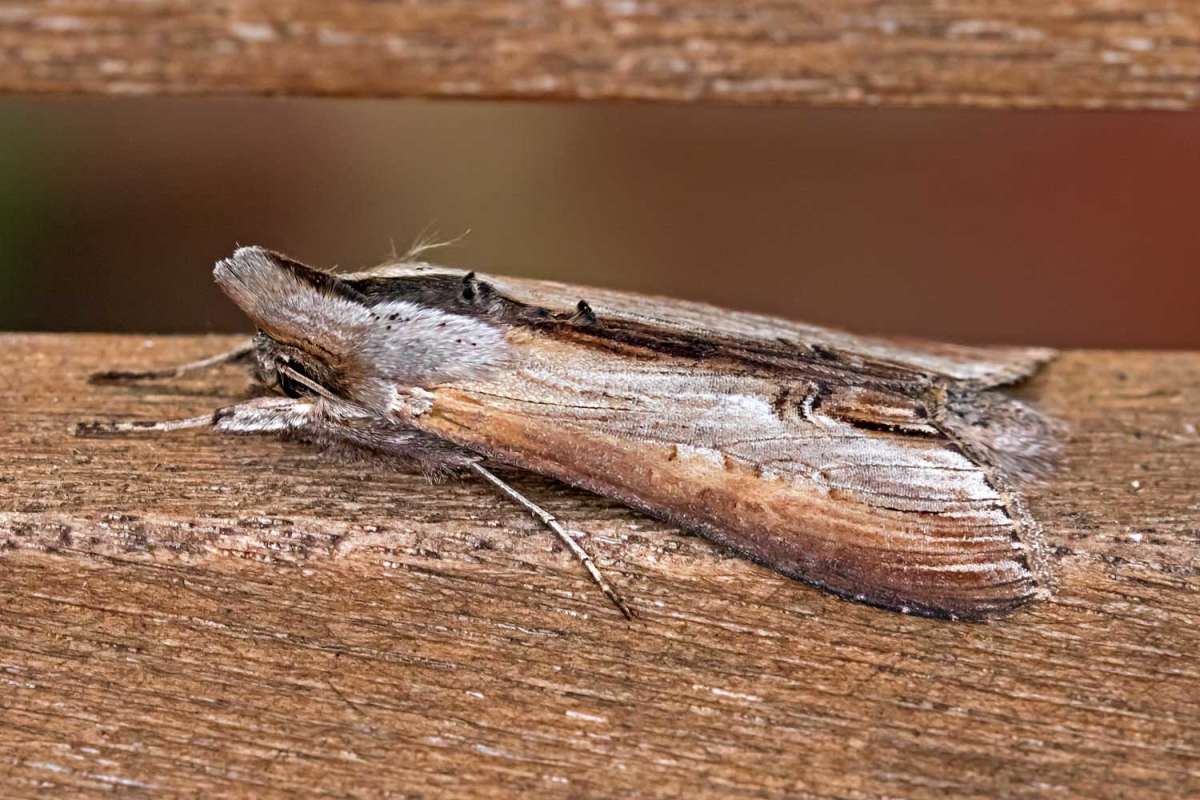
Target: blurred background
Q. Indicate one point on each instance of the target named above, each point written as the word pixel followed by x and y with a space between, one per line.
pixel 1061 228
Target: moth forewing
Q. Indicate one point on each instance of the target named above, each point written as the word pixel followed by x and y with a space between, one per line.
pixel 904 521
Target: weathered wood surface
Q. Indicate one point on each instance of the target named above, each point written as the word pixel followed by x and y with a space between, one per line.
pixel 192 614
pixel 1016 54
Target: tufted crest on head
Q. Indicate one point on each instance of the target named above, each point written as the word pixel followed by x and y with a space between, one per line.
pixel 375 343
pixel 294 303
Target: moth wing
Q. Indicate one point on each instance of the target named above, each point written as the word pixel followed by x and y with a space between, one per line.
pixel 903 518
pixel 980 366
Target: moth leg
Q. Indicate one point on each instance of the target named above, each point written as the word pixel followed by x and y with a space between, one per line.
pixel 238 353
pixel 260 415
pixel 548 519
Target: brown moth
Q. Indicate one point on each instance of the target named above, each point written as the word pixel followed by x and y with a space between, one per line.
pixel 886 472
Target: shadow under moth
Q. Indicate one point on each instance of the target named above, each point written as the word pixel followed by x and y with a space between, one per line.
pixel 889 473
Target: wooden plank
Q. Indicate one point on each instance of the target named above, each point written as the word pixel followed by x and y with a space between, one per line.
pixel 197 615
pixel 1014 54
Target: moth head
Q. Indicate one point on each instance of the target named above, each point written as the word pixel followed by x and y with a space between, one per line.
pixel 317 328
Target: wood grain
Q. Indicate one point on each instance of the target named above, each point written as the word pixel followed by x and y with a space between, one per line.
pixel 196 615
pixel 1012 54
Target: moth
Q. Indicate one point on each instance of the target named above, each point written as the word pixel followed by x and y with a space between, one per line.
pixel 887 472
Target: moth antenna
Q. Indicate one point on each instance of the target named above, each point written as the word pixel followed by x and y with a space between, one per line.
pixel 238 353
pixel 583 314
pixel 548 519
